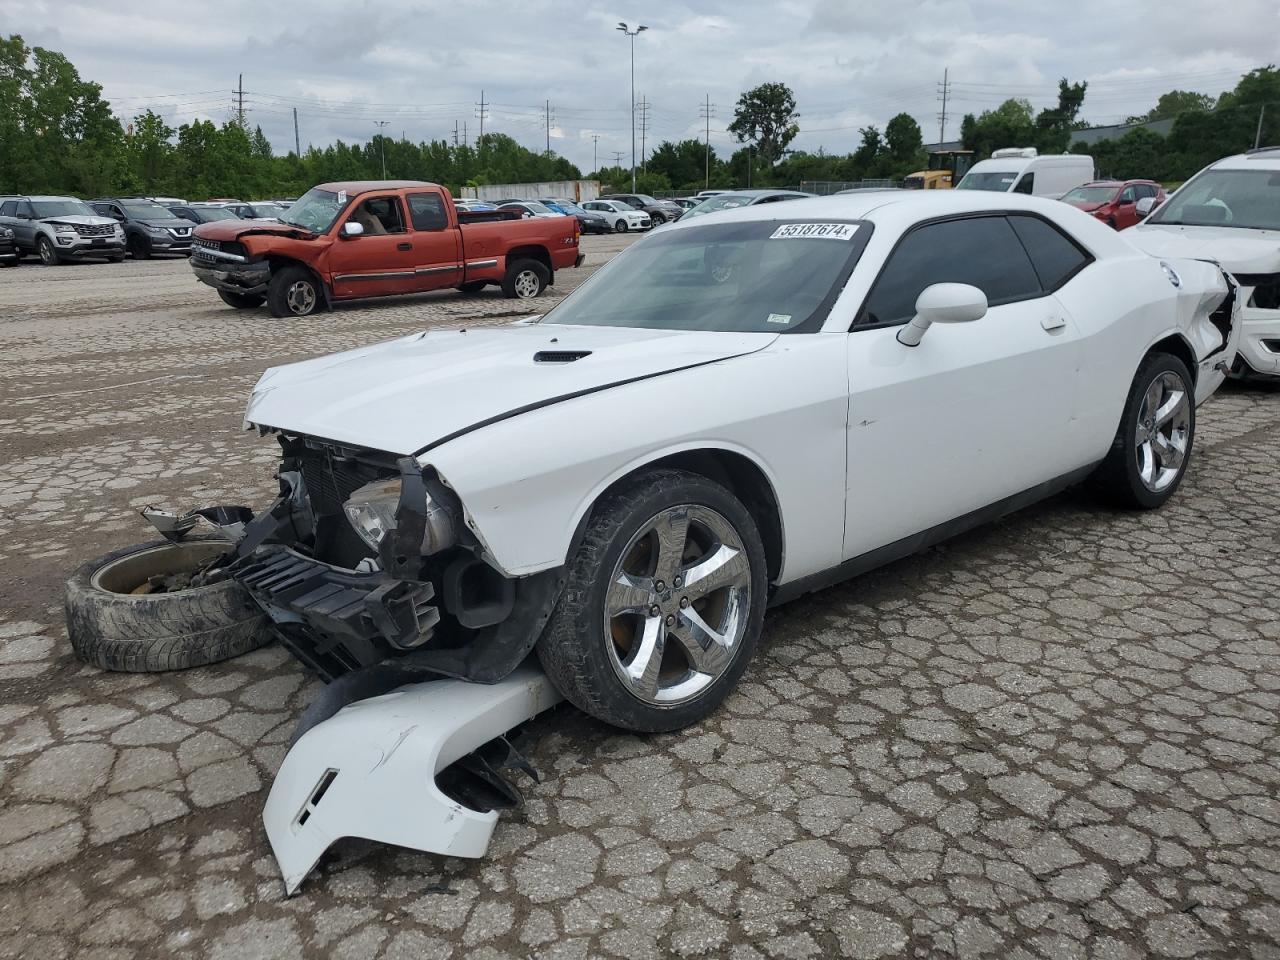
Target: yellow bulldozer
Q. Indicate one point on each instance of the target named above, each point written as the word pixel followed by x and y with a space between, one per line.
pixel 946 167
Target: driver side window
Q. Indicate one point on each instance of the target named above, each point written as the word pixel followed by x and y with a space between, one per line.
pixel 379 216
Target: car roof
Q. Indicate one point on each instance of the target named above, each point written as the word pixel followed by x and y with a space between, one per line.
pixel 364 186
pixel 1265 158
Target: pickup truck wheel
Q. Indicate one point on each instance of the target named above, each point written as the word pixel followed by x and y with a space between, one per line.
pixel 48 255
pixel 241 301
pixel 662 606
pixel 525 279
pixel 1152 447
pixel 475 286
pixel 620 226
pixel 293 292
pixel 115 624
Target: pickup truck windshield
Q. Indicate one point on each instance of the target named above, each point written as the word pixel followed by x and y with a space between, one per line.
pixel 757 276
pixel 1249 199
pixel 61 208
pixel 316 210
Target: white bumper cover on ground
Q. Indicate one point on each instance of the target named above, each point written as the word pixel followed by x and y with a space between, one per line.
pixel 370 771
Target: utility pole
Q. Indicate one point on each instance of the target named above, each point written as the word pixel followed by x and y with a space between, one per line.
pixel 455 133
pixel 632 34
pixel 464 133
pixel 1257 137
pixel 549 118
pixel 239 92
pixel 382 144
pixel 297 141
pixel 644 129
pixel 483 114
pixel 595 152
pixel 706 112
pixel 943 91
pixel 617 158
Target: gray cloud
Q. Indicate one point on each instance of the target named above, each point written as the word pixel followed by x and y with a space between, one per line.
pixel 422 66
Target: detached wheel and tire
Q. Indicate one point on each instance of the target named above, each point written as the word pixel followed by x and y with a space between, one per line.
pixel 1152 448
pixel 293 292
pixel 113 627
pixel 525 279
pixel 241 301
pixel 48 254
pixel 662 607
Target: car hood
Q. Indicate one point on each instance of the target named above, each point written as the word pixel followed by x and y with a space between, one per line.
pixel 408 394
pixel 80 219
pixel 231 229
pixel 171 223
pixel 1236 249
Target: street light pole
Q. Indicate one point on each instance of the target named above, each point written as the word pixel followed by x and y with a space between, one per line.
pixel 382 144
pixel 632 34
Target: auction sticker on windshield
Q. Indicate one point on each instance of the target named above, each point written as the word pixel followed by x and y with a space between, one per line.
pixel 824 231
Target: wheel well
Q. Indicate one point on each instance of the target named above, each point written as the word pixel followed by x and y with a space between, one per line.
pixel 532 253
pixel 743 478
pixel 1178 347
pixel 279 263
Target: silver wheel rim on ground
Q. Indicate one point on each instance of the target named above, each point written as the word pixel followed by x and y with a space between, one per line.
pixel 677 605
pixel 526 284
pixel 301 297
pixel 1163 432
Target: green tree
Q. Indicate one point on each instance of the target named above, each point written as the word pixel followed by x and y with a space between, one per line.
pixel 905 144
pixel 765 116
pixel 150 153
pixel 1054 125
pixel 1008 125
pixel 1175 102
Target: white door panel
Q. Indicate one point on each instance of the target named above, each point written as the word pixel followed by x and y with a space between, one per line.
pixel 977 412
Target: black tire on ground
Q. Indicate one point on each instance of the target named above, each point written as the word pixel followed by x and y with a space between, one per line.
pixel 10 263
pixel 474 286
pixel 138 248
pixel 294 292
pixel 620 226
pixel 162 631
pixel 48 254
pixel 574 647
pixel 525 279
pixel 241 301
pixel 119 258
pixel 1118 479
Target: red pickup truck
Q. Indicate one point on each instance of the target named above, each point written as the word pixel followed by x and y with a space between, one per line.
pixel 376 238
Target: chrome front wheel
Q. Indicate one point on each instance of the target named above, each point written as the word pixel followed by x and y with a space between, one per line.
pixel 1162 436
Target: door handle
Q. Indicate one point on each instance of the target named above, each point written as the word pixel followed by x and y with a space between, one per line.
pixel 1055 321
pixel 404 246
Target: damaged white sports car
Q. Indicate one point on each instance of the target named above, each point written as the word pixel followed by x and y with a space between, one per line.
pixel 729 414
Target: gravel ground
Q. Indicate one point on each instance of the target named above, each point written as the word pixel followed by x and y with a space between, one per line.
pixel 1054 737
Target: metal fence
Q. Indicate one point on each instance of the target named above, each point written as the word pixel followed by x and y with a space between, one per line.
pixel 825 188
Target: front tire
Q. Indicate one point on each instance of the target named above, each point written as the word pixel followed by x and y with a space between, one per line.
pixel 663 604
pixel 620 226
pixel 48 255
pixel 525 279
pixel 138 248
pixel 1153 443
pixel 293 292
pixel 241 301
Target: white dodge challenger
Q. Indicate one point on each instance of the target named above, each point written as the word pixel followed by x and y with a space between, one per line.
pixel 729 414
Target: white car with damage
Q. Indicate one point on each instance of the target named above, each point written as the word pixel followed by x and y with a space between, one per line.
pixel 1229 213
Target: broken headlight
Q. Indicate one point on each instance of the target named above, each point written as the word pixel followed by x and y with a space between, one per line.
pixel 371 510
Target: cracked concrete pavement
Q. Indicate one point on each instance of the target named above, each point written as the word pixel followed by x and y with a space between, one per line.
pixel 1054 737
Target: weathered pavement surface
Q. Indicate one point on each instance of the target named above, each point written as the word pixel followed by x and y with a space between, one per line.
pixel 1056 737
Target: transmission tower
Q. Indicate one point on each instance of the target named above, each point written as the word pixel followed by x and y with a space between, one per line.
pixel 706 111
pixel 482 112
pixel 944 90
pixel 642 118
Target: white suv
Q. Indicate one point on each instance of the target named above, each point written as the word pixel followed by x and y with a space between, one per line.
pixel 1229 212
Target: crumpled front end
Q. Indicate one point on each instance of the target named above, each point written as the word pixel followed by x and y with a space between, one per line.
pixel 1209 316
pixel 1260 319
pixel 226 265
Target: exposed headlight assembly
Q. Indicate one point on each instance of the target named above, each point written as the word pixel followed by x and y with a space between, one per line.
pixel 63 228
pixel 371 511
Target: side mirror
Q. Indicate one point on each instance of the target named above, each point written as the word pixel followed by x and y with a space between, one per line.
pixel 943 303
pixel 352 229
pixel 1145 206
pixel 1124 202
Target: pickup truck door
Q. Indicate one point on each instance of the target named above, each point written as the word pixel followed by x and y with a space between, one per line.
pixel 437 245
pixel 380 261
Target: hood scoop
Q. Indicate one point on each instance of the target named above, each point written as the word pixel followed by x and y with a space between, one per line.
pixel 560 356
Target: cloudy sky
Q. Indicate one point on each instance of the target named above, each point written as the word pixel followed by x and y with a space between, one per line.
pixel 421 65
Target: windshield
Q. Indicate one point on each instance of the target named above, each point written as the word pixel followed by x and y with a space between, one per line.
pixel 757 276
pixel 1000 180
pixel 267 209
pixel 61 208
pixel 210 214
pixel 316 210
pixel 569 207
pixel 537 207
pixel 725 201
pixel 1090 194
pixel 147 211
pixel 1248 199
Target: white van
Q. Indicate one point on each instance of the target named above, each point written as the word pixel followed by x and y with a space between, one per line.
pixel 1023 170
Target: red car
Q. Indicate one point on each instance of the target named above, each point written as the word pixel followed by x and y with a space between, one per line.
pixel 1114 202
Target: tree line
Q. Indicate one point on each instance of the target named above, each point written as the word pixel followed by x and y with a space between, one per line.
pixel 58 135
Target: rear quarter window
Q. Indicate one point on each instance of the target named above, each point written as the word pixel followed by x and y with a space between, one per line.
pixel 1055 257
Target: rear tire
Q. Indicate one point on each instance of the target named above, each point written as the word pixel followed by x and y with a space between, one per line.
pixel 48 254
pixel 241 301
pixel 1151 450
pixel 293 292
pixel 525 279
pixel 587 653
pixel 146 633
